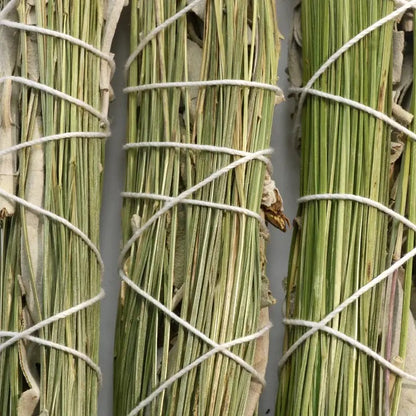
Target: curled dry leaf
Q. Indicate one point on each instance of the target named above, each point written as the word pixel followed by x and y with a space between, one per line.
pixel 398 46
pixel 272 204
pixel 199 8
pixel 8 116
pixel 194 73
pixel 401 115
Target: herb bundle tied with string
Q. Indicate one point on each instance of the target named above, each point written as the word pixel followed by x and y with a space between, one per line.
pixel 55 72
pixel 342 245
pixel 205 263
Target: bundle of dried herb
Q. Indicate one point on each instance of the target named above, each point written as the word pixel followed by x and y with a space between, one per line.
pixel 45 267
pixel 339 246
pixel 203 263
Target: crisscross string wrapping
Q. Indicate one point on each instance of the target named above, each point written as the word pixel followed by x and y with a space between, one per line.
pixel 307 89
pixel 170 202
pixel 48 32
pixel 153 33
pixel 26 334
pixel 183 198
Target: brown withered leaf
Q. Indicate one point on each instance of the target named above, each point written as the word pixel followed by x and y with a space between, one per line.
pixel 274 213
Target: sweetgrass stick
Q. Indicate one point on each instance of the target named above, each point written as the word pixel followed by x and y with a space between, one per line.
pixel 45 267
pixel 203 263
pixel 339 246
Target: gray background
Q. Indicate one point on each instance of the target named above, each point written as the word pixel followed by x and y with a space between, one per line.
pixel 286 174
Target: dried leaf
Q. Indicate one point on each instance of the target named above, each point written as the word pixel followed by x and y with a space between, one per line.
pixel 398 46
pixel 407 404
pixel 401 115
pixel 28 402
pixel 199 8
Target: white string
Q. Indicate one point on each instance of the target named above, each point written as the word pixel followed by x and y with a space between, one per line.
pixel 207 83
pixel 157 30
pixel 355 104
pixel 342 50
pixel 56 93
pixel 58 219
pixel 188 192
pixel 59 35
pixel 321 325
pixel 191 146
pixel 191 328
pixel 8 8
pixel 89 243
pixel 61 315
pixel 362 200
pixel 221 348
pixel 170 202
pixel 55 137
pixel 353 342
pixel 198 202
pixel 194 146
pixel 72 310
pixel 357 38
pixel 48 32
pixel 168 205
pixel 308 90
pixel 182 198
pixel 401 2
pixel 26 334
pixel 374 282
pixel 59 347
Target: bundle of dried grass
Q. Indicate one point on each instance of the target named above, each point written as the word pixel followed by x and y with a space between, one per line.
pixel 46 268
pixel 204 263
pixel 340 246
